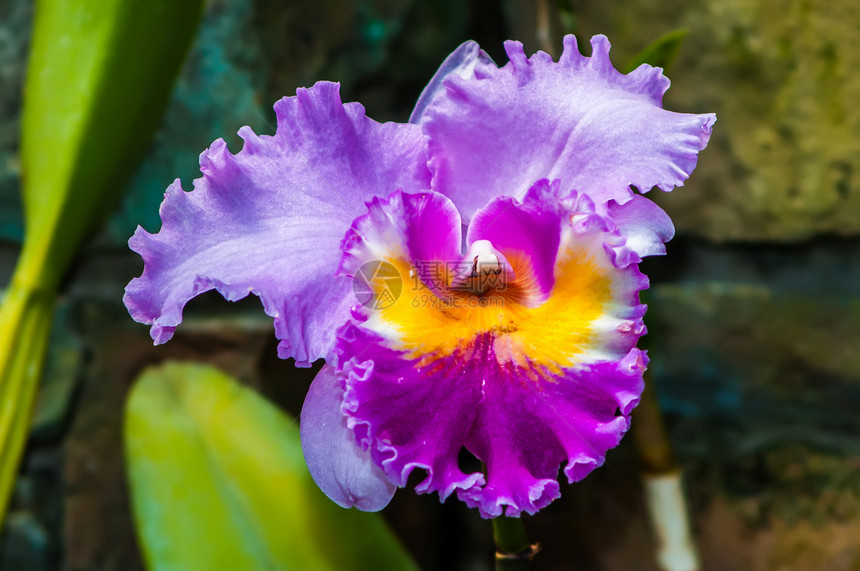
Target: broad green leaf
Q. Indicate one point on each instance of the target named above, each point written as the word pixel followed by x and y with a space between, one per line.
pixel 99 76
pixel 98 80
pixel 661 52
pixel 218 481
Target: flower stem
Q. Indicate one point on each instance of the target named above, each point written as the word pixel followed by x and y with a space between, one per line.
pixel 543 34
pixel 25 324
pixel 649 433
pixel 513 550
pixel 675 549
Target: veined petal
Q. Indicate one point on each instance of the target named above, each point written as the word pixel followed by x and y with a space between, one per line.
pixel 269 220
pixel 341 469
pixel 497 131
pixel 524 385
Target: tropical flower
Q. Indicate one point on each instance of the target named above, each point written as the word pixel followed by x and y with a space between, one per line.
pixel 514 340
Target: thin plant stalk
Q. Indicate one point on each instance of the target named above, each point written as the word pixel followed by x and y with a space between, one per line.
pixel 542 33
pixel 513 550
pixel 664 495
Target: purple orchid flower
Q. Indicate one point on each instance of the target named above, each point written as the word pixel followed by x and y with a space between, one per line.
pixel 515 341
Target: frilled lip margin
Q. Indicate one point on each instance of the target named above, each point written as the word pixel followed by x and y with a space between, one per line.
pixel 522 417
pixel 547 428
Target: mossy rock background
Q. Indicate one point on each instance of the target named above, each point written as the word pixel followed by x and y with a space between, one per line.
pixel 781 75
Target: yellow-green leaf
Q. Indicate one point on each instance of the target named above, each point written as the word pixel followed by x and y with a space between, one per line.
pixel 661 52
pixel 218 481
pixel 99 77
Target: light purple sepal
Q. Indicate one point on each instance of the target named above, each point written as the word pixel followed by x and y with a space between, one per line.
pixel 269 220
pixel 341 469
pixel 461 62
pixel 496 131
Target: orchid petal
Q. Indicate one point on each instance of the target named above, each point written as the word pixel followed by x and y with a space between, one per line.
pixel 341 469
pixel 424 227
pixel 269 219
pixel 645 225
pixel 578 120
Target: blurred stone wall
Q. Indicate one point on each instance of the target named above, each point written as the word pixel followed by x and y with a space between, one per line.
pixel 754 314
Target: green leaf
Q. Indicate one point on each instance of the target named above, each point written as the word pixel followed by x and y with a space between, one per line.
pixel 218 481
pixel 98 80
pixel 661 52
pixel 25 324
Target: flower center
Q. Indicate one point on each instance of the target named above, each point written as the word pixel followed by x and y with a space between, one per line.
pixel 495 295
